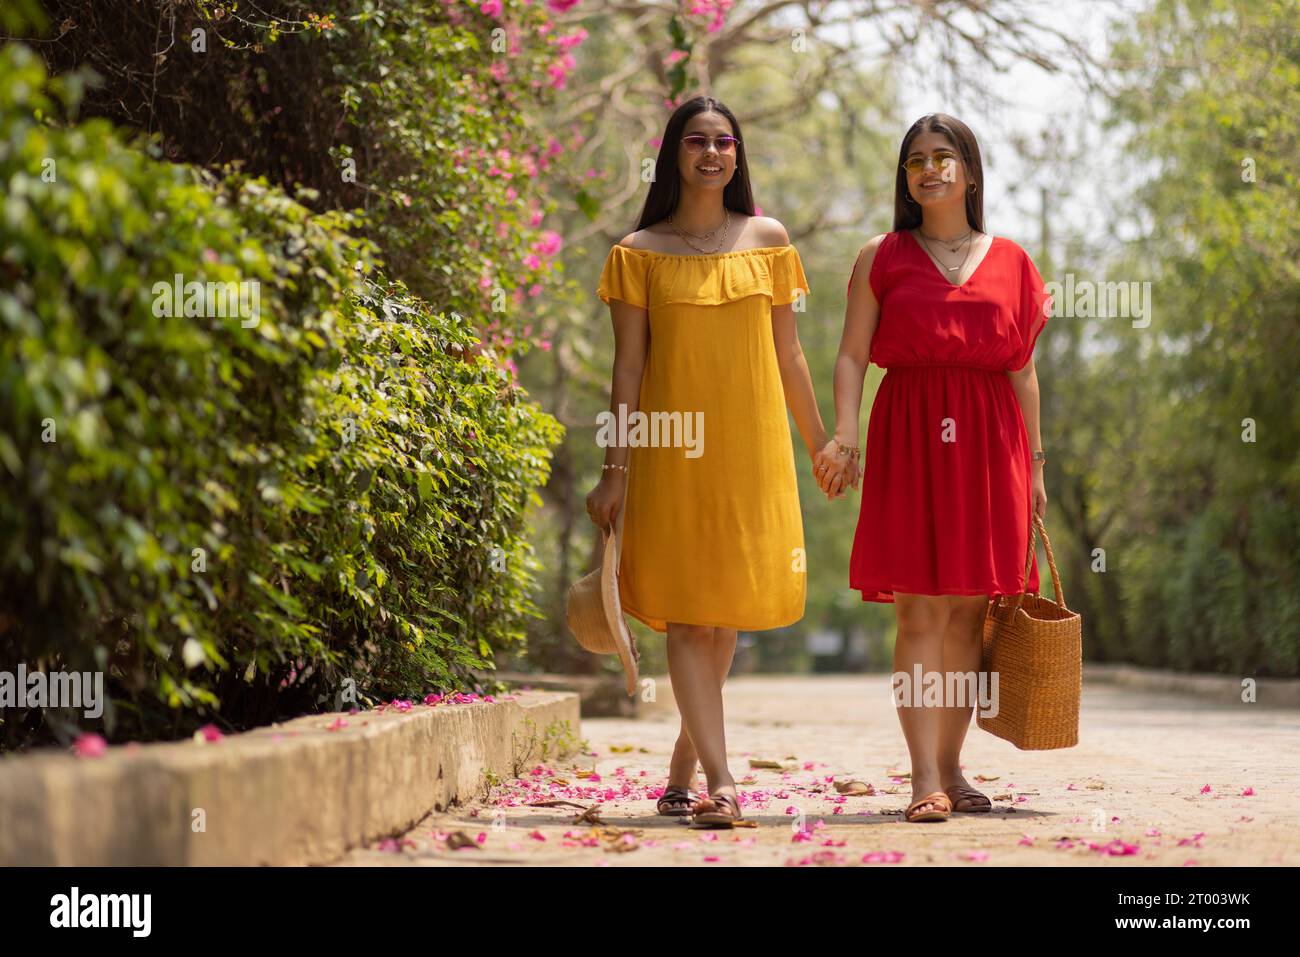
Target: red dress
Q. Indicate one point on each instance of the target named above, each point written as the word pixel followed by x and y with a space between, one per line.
pixel 947 480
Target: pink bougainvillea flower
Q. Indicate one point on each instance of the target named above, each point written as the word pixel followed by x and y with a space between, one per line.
pixel 89 745
pixel 400 704
pixel 209 733
pixel 1025 841
pixel 974 855
pixel 882 857
pixel 561 6
pixel 569 41
pixel 711 859
pixel 537 835
pixel 432 699
pixel 1118 848
pixel 549 244
pixel 491 8
pixel 1071 787
pixel 1249 792
pixel 1194 840
pixel 1206 790
pixel 801 836
pixel 337 724
pixel 1152 832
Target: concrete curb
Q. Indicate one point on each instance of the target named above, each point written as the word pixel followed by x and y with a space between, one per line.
pixel 287 794
pixel 603 696
pixel 1222 689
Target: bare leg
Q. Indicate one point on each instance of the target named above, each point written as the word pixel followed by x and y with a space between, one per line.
pixel 681 768
pixel 962 641
pixel 692 667
pixel 922 621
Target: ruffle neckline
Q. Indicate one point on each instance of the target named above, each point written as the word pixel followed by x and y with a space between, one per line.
pixel 647 278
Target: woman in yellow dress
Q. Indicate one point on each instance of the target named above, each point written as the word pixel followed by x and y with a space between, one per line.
pixel 703 297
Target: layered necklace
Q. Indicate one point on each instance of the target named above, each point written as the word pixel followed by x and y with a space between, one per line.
pixel 952 246
pixel 687 237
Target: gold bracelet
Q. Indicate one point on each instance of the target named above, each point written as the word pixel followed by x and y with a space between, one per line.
pixel 852 451
pixel 623 467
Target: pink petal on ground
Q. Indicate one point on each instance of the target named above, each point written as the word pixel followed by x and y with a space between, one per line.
pixel 1025 841
pixel 712 859
pixel 801 836
pixel 337 725
pixel 1206 790
pixel 1249 792
pixel 210 733
pixel 537 835
pixel 482 837
pixel 1153 832
pixel 882 857
pixel 432 699
pixel 974 855
pixel 1071 787
pixel 89 745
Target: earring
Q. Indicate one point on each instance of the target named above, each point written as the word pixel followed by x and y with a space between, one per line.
pixel 907 198
pixel 972 187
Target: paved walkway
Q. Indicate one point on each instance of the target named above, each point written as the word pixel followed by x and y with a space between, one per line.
pixel 1156 779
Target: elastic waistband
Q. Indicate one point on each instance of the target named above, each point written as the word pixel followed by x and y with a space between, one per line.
pixel 942 365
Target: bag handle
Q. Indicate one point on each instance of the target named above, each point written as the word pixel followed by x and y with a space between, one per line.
pixel 1037 526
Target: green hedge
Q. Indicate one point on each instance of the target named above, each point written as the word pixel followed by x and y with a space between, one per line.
pixel 354 473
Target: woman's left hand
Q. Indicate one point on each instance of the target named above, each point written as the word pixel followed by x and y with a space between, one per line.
pixel 1040 494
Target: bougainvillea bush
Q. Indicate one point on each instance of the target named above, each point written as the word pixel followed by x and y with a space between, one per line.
pixel 235 516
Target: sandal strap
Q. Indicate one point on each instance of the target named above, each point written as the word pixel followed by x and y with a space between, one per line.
pixel 674 795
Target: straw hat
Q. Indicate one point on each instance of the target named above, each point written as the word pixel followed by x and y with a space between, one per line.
pixel 595 614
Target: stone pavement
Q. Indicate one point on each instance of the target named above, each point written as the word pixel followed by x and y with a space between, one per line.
pixel 1157 779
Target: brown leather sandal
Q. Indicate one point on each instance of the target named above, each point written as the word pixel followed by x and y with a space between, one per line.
pixel 913 814
pixel 716 810
pixel 674 802
pixel 977 803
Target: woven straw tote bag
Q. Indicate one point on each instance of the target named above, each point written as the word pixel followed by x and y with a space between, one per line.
pixel 1035 646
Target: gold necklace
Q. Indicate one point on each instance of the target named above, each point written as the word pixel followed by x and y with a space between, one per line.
pixel 956 268
pixel 956 244
pixel 686 237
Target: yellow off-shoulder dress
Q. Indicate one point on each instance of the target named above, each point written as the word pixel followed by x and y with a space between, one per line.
pixel 713 537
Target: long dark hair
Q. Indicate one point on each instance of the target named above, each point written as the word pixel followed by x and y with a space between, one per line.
pixel 907 214
pixel 665 191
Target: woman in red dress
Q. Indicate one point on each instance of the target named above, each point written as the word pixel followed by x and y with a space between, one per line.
pixel 953 470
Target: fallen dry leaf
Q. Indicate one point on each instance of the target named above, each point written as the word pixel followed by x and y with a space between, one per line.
pixel 854 788
pixel 760 765
pixel 458 839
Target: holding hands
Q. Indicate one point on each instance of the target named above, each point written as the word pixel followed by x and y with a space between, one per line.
pixel 836 469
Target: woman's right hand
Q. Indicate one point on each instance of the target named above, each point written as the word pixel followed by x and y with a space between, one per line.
pixel 835 473
pixel 606 499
